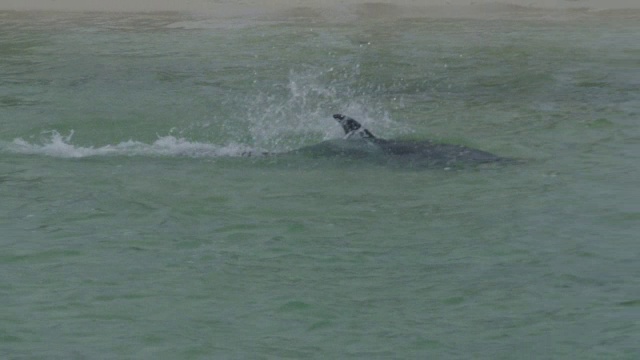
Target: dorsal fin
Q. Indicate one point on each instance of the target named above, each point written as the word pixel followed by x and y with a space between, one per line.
pixel 352 128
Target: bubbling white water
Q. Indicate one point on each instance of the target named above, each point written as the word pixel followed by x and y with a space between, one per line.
pixel 300 113
pixel 54 144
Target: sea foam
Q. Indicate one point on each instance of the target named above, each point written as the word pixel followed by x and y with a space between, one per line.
pixel 57 145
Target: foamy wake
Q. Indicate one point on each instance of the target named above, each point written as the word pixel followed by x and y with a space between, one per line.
pixel 57 145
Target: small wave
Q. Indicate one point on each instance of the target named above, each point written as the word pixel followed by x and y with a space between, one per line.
pixel 60 146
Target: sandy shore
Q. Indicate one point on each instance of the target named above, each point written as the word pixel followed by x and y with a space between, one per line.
pixel 239 7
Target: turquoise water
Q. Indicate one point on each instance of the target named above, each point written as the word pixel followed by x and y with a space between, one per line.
pixel 132 226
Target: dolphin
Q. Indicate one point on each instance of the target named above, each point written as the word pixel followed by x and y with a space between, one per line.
pixel 360 143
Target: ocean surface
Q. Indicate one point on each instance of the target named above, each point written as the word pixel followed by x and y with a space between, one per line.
pixel 133 225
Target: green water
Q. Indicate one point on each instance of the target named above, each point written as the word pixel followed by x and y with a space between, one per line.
pixel 132 227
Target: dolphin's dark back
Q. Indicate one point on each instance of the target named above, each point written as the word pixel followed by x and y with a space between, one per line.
pixel 360 143
pixel 430 148
pixel 434 153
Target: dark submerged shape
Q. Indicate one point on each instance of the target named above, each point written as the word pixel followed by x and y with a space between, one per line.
pixel 360 143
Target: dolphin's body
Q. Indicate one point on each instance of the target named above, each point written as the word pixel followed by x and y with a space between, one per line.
pixel 359 142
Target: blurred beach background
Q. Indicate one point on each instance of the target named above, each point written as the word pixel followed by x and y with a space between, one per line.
pixel 235 8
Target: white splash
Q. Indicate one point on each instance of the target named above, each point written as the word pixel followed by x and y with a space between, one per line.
pixel 57 145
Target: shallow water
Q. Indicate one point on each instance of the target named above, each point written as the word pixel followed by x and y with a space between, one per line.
pixel 133 227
